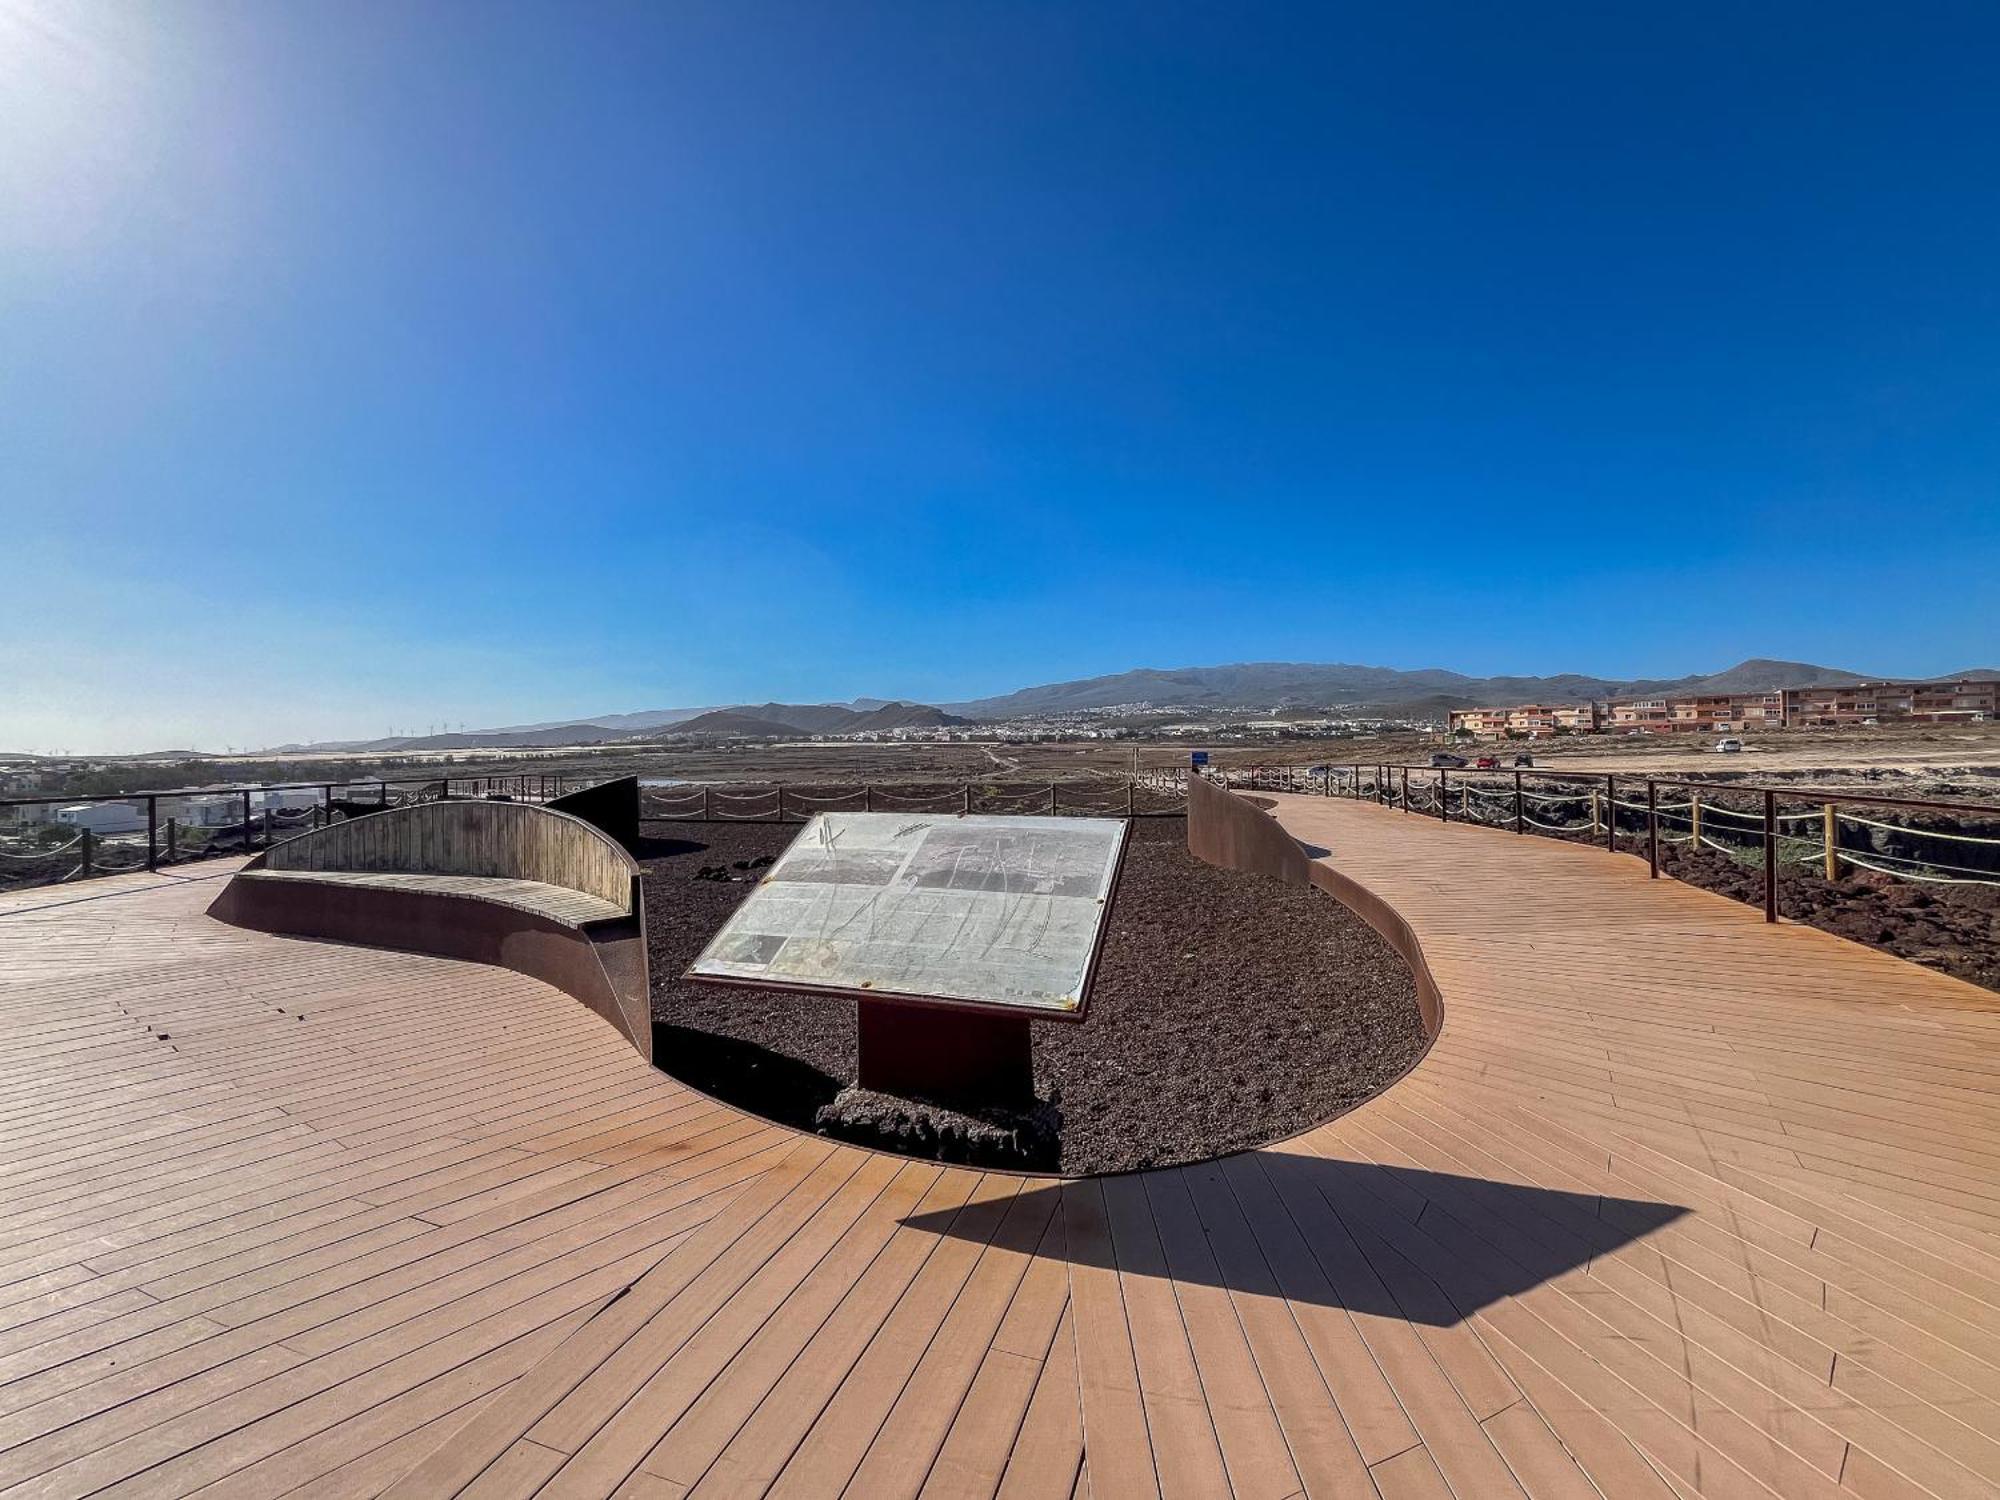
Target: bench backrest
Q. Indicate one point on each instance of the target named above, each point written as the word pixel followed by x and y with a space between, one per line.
pixel 514 840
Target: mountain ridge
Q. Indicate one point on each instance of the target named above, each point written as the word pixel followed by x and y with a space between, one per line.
pixel 1337 684
pixel 1395 691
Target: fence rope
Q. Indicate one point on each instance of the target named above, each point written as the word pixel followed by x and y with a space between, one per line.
pixel 45 853
pixel 1708 809
pixel 1926 864
pixel 1928 833
pixel 1913 875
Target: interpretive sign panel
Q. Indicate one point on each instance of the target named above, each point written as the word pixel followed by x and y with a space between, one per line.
pixel 983 911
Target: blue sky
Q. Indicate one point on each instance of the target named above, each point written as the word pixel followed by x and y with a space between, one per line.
pixel 369 364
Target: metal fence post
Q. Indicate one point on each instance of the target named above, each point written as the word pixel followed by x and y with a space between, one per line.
pixel 84 868
pixel 1444 801
pixel 1519 825
pixel 1770 856
pixel 1406 788
pixel 704 804
pixel 248 833
pixel 1611 813
pixel 152 833
pixel 867 797
pixel 781 802
pixel 1129 791
pixel 1652 830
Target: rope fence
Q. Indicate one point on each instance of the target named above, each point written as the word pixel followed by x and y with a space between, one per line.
pixel 1833 838
pixel 1136 797
pixel 183 824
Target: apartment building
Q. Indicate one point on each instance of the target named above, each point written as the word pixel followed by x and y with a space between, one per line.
pixel 1733 713
pixel 1808 708
pixel 1934 702
pixel 1719 713
pixel 1526 719
pixel 1725 713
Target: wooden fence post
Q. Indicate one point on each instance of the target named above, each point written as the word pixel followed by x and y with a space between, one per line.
pixel 1770 856
pixel 1652 830
pixel 1832 836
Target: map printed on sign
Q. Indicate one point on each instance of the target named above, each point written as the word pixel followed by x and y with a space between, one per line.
pixel 995 911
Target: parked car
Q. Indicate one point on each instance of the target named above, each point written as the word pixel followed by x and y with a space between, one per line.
pixel 1487 763
pixel 1728 746
pixel 1445 761
pixel 1524 760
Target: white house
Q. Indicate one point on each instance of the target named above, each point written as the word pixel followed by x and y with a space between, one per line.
pixel 103 817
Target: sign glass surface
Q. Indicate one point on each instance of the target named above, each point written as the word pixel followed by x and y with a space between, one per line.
pixel 991 911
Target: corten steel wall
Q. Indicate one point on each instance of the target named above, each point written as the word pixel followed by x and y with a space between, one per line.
pixel 602 963
pixel 1226 830
pixel 610 805
pixel 1237 834
pixel 515 840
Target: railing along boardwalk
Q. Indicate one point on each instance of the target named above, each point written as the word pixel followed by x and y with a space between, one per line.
pixel 1677 1204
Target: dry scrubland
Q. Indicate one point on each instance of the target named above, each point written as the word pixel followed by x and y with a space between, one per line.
pixel 1915 754
pixel 1917 760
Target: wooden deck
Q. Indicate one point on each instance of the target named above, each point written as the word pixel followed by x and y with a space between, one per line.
pixel 1678 1204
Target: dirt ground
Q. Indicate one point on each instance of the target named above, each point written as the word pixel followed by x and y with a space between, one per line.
pixel 1228 1009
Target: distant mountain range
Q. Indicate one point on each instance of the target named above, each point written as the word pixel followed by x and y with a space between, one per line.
pixel 1338 684
pixel 764 720
pixel 1429 692
pixel 815 718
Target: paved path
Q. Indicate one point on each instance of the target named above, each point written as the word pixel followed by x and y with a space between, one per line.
pixel 1678 1204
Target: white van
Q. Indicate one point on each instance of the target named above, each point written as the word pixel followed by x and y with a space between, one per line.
pixel 1729 746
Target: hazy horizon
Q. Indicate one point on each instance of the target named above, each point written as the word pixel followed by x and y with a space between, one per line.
pixel 369 366
pixel 426 726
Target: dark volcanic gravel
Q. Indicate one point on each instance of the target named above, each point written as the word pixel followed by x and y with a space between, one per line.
pixel 1228 1010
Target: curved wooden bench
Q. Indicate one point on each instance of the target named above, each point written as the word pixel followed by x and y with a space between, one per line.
pixel 508 883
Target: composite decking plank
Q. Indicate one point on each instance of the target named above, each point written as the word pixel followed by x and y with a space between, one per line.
pixel 1677 1203
pixel 1047 1456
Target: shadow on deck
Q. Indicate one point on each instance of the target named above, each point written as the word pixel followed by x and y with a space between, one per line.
pixel 1391 1241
